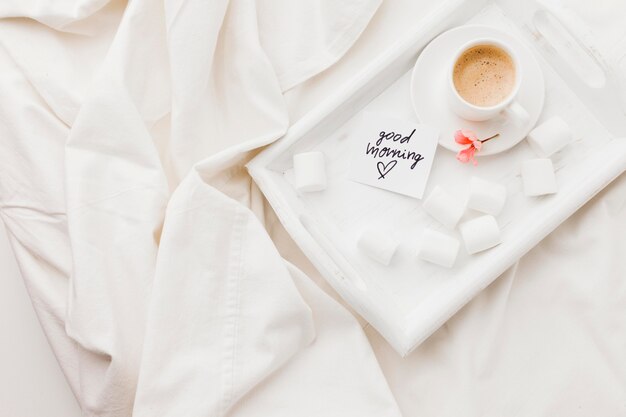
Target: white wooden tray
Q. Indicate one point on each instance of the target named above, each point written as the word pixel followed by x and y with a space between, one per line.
pixel 409 300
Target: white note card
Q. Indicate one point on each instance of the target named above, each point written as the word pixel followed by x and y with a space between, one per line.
pixel 393 154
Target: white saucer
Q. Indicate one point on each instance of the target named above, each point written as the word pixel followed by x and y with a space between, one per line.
pixel 428 83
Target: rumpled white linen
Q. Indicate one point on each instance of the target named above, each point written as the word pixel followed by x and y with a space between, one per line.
pixel 144 244
pixel 124 130
pixel 545 339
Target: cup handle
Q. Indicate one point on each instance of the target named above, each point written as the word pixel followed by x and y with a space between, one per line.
pixel 517 113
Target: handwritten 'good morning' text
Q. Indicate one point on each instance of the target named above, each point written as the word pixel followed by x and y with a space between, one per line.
pixel 376 151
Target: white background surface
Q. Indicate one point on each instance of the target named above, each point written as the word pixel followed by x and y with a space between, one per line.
pixel 32 385
pixel 31 382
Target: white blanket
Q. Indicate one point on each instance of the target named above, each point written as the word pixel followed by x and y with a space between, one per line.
pixel 163 280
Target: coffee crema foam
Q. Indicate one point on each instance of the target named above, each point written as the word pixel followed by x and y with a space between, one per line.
pixel 484 75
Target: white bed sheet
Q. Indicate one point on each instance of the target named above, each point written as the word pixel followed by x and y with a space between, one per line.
pixel 547 338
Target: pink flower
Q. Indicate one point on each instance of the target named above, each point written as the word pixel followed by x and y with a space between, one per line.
pixel 467 154
pixel 467 137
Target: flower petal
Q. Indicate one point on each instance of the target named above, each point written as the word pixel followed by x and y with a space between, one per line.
pixel 466 155
pixel 469 134
pixel 460 138
pixel 477 144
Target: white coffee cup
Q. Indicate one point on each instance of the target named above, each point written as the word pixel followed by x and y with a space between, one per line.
pixel 508 107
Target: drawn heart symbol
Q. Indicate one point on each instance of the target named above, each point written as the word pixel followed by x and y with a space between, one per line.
pixel 383 169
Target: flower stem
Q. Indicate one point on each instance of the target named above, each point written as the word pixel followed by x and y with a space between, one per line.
pixel 490 137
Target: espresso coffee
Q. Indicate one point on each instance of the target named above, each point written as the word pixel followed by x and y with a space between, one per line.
pixel 484 75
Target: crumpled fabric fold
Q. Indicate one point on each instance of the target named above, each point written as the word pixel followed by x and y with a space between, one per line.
pixel 123 190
